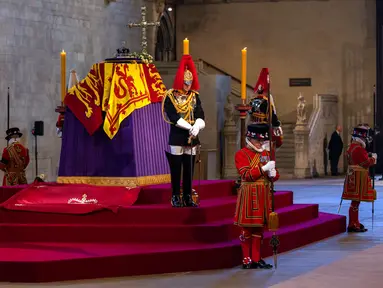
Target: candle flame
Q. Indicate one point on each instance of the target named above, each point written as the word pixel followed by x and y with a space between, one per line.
pixel 244 48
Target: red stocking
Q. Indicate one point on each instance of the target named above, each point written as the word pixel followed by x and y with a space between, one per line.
pixel 245 238
pixel 353 214
pixel 256 239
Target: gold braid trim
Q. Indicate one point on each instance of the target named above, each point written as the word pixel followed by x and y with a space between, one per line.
pixel 167 94
pixel 185 108
pixel 130 182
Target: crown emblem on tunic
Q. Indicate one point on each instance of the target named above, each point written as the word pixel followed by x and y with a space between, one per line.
pixel 83 200
pixel 188 76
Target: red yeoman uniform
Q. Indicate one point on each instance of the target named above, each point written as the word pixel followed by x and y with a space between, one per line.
pixel 254 195
pixel 358 186
pixel 15 159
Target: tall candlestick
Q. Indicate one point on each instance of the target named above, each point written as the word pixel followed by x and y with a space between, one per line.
pixel 243 75
pixel 63 75
pixel 186 46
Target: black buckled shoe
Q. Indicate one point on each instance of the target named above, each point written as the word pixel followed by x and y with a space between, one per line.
pixel 247 263
pixel 354 229
pixel 176 201
pixel 263 265
pixel 188 201
pixel 247 266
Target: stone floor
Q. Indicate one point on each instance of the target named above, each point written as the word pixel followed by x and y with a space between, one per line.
pixel 311 266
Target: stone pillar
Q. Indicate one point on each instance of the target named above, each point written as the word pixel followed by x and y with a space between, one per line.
pixel 301 168
pixel 301 139
pixel 230 141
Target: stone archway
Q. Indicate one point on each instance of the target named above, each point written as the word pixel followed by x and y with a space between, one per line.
pixel 164 49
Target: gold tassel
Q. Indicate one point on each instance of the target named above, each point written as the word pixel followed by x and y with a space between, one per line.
pixel 273 221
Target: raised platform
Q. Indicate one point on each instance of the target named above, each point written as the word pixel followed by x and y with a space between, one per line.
pixel 147 238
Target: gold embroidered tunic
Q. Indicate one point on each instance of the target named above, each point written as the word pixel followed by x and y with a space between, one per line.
pixel 178 105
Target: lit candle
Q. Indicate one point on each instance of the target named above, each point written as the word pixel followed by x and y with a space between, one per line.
pixel 243 75
pixel 63 75
pixel 186 46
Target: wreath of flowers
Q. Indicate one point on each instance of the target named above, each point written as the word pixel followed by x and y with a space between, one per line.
pixel 144 56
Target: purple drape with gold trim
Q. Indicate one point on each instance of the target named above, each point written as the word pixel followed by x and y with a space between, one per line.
pixel 136 150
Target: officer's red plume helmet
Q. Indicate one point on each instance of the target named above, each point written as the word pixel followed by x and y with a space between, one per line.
pixel 186 74
pixel 262 86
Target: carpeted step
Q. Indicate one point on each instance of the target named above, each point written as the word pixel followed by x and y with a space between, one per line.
pixel 207 189
pixel 42 262
pixel 47 262
pixel 212 232
pixel 294 236
pixel 210 210
pixel 157 238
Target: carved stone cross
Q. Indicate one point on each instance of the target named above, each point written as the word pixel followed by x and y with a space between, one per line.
pixel 144 25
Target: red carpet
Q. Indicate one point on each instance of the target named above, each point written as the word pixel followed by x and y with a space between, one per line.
pixel 147 238
pixel 58 198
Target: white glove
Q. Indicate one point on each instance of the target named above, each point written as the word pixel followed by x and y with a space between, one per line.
pixel 194 130
pixel 200 123
pixel 268 166
pixel 272 173
pixel 59 132
pixel 181 123
pixel 278 131
pixel 198 126
pixel 375 156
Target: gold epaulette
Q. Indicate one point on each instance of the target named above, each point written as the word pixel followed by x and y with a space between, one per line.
pixel 168 93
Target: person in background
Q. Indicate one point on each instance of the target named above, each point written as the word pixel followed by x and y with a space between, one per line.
pixel 358 185
pixel 15 159
pixel 335 147
pixel 259 108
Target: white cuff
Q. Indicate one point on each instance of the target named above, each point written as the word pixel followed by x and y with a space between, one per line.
pixel 200 123
pixel 180 150
pixel 181 123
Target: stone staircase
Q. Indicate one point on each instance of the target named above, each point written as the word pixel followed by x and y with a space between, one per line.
pixel 285 156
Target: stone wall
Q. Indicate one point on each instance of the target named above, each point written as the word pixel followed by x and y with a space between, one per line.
pixel 333 42
pixel 32 35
